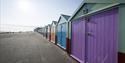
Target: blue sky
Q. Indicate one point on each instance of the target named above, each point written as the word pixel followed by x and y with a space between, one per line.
pixel 35 12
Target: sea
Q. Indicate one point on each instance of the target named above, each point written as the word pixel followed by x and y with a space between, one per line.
pixel 15 28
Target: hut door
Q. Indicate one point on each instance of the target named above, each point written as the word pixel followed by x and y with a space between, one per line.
pixel 102 37
pixel 59 35
pixel 63 35
pixel 78 40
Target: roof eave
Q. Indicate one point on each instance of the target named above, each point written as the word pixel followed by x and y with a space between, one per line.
pixel 82 4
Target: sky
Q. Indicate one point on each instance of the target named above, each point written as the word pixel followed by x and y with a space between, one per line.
pixel 34 13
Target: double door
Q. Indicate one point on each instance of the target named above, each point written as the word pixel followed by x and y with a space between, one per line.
pixel 61 35
pixel 95 38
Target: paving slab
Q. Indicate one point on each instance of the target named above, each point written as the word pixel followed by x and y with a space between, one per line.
pixel 30 47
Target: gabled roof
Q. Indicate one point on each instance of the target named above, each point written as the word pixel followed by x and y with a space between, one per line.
pixel 80 6
pixel 54 22
pixel 49 25
pixel 93 1
pixel 65 16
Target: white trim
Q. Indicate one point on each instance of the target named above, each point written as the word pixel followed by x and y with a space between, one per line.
pixel 77 59
pixel 53 42
pixel 61 46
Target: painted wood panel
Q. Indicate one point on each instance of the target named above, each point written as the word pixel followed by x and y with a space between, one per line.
pixel 78 40
pixel 103 37
pixel 61 35
pixel 53 33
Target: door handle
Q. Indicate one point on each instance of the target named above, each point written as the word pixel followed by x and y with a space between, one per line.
pixel 89 34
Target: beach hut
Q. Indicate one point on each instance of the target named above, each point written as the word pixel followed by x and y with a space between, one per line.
pixel 53 31
pixel 62 31
pixel 39 30
pixel 98 31
pixel 48 32
pixel 42 31
pixel 45 31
